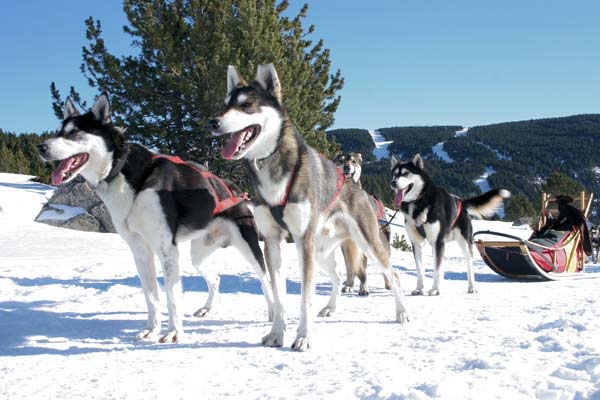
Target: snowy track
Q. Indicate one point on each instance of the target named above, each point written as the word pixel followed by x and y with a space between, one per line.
pixel 70 303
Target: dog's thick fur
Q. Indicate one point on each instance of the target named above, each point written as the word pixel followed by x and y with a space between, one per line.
pixel 356 263
pixel 295 189
pixel 435 216
pixel 154 204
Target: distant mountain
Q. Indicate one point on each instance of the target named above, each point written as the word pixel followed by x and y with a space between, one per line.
pixel 521 154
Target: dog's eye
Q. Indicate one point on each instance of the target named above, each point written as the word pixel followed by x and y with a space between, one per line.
pixel 246 104
pixel 74 134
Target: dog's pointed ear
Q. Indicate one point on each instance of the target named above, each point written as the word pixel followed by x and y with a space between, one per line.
pixel 395 160
pixel 267 78
pixel 359 157
pixel 101 109
pixel 233 79
pixel 70 110
pixel 418 161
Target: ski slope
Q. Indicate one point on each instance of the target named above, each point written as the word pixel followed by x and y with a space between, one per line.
pixel 71 303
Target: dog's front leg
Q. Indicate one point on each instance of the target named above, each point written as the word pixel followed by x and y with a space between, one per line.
pixel 144 262
pixel 273 260
pixel 169 258
pixel 306 259
pixel 438 266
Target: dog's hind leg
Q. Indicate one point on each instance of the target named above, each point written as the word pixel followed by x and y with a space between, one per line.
pixel 466 248
pixel 361 273
pixel 327 262
pixel 200 251
pixel 363 230
pixel 169 258
pixel 144 262
pixel 348 251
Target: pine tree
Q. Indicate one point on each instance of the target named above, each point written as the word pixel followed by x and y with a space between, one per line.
pixel 166 94
pixel 560 183
pixel 517 207
pixel 21 164
pixel 7 159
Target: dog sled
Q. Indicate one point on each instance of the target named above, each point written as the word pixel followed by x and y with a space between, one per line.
pixel 554 251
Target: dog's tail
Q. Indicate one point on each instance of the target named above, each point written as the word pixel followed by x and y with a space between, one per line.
pixel 487 204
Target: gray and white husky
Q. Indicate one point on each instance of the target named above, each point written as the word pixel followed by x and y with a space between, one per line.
pixel 155 202
pixel 435 216
pixel 356 263
pixel 299 191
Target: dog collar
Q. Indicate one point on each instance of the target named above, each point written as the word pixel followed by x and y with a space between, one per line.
pixel 116 169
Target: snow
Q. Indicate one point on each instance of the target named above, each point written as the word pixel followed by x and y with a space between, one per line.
pixel 463 132
pixel 484 186
pixel 381 145
pixel 60 212
pixel 71 302
pixel 438 150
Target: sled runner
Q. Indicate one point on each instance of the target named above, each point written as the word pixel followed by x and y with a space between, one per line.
pixel 554 251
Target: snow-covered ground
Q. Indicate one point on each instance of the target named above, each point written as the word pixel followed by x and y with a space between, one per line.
pixel 439 151
pixel 381 145
pixel 462 132
pixel 70 304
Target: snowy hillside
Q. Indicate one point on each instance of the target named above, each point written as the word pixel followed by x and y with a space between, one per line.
pixel 70 304
pixel 381 145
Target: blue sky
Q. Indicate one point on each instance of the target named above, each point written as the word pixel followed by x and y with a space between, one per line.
pixel 404 62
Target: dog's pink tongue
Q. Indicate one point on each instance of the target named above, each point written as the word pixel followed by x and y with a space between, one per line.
pixel 59 172
pixel 232 145
pixel 398 197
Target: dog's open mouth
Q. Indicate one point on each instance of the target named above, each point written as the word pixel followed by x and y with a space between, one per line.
pixel 239 141
pixel 400 193
pixel 68 167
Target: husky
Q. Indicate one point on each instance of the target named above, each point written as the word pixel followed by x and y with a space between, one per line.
pixel 356 265
pixel 299 191
pixel 435 216
pixel 156 202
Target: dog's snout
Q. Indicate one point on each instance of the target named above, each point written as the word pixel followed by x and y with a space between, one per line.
pixel 214 124
pixel 42 148
pixel 346 169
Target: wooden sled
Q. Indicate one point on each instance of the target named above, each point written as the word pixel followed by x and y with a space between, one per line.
pixel 552 255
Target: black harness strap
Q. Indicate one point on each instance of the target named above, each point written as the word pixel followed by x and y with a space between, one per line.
pixel 116 169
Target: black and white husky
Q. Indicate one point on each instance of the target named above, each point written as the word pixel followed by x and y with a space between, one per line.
pixel 299 191
pixel 155 202
pixel 432 214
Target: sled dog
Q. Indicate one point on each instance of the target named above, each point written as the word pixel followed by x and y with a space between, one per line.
pixel 432 214
pixel 156 202
pixel 299 191
pixel 351 166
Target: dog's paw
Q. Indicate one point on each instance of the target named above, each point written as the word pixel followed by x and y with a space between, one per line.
pixel 417 292
pixel 170 337
pixel 148 335
pixel 201 312
pixel 363 292
pixel 402 317
pixel 434 292
pixel 326 312
pixel 471 291
pixel 347 289
pixel 273 340
pixel 301 344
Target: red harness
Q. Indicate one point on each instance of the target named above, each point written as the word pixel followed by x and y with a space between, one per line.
pixel 459 206
pixel 220 205
pixel 379 206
